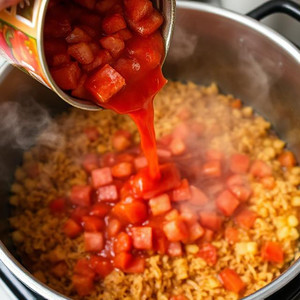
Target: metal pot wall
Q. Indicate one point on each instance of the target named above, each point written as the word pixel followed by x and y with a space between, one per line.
pixel 242 56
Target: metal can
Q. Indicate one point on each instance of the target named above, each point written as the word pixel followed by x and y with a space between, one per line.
pixel 21 43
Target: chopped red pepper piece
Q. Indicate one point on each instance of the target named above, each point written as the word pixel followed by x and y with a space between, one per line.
pixel 101 177
pixel 105 83
pixel 100 265
pixel 227 203
pixel 160 204
pixel 137 265
pixel 183 192
pixel 211 220
pixel 142 238
pixel 197 196
pixel 176 230
pixel 93 241
pixel 71 229
pixel 107 193
pixel 175 249
pixel 209 253
pixel 81 195
pixel 122 260
pixel 122 243
pixel 272 252
pixel 121 170
pixel 113 23
pixel 245 218
pixel 92 223
pixel 239 163
pixel 260 169
pixel 231 281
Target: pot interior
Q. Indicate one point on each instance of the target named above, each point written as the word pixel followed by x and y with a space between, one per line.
pixel 208 46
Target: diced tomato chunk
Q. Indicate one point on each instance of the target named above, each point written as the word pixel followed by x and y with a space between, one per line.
pixel 78 213
pixel 160 204
pixel 172 215
pixel 93 241
pixel 140 162
pixel 81 52
pixel 268 182
pixel 58 60
pixel 147 51
pixel 208 235
pixel 196 231
pixel 121 140
pixel 81 92
pixel 90 4
pixel 160 244
pixel 104 83
pixel 137 265
pixel 90 162
pixel 227 203
pixel 147 25
pixel 175 249
pixel 287 159
pixel 113 23
pixel 163 153
pixel 211 220
pixel 212 168
pixel 122 169
pixel 177 146
pixel 236 180
pixel 101 177
pixel 122 260
pixel 241 192
pixel 213 154
pixel 60 269
pixel 83 285
pixel 188 213
pixel 142 238
pixel 113 227
pixel 272 252
pixel 231 235
pixel 231 281
pixel 57 205
pixel 81 195
pixel 183 192
pixel 82 267
pixel 245 218
pixel 239 163
pixel 107 193
pixel 122 243
pixel 92 223
pixel 133 212
pixel 144 186
pixel 102 57
pixel 113 44
pixel 92 133
pixel 137 9
pixel 99 210
pixel 71 229
pixel 197 196
pixel 100 265
pixel 176 230
pixel 67 76
pixel 78 35
pixel 124 34
pixel 260 169
pixel 209 253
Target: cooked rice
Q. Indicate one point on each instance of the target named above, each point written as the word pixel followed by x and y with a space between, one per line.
pixel 58 152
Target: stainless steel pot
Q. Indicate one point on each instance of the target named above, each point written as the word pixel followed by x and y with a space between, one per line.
pixel 244 57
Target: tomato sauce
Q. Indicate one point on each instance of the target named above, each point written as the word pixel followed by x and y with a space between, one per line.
pixel 110 52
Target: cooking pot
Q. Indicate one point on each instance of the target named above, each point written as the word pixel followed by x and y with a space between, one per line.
pixel 242 56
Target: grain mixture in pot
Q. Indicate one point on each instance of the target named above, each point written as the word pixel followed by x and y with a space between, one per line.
pixel 257 246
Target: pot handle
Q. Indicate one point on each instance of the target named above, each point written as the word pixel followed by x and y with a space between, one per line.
pixel 276 6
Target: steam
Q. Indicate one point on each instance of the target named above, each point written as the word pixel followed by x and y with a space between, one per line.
pixel 21 122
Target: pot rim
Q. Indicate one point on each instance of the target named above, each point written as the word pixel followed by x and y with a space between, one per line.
pixel 34 284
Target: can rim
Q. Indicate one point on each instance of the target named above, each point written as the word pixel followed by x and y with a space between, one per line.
pixel 82 104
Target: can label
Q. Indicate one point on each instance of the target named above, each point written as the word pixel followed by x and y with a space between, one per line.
pixel 19 38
